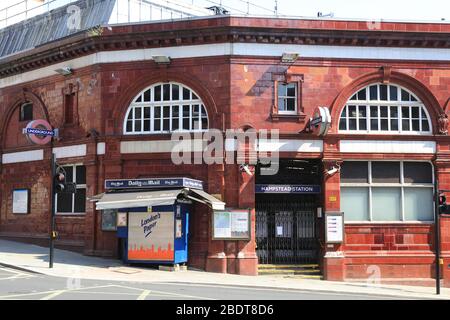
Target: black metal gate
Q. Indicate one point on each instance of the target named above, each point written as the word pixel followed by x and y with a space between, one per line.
pixel 286 229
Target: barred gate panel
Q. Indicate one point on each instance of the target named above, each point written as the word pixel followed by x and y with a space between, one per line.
pixel 286 230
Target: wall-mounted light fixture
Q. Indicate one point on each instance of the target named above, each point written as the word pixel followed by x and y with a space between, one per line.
pixel 65 71
pixel 161 59
pixel 289 57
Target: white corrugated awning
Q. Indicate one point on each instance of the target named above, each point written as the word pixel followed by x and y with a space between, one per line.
pixel 154 198
pixel 202 196
pixel 137 199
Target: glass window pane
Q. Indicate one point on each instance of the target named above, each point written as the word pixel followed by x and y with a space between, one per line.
pixel 139 99
pixel 194 96
pixel 186 94
pixel 384 124
pixel 393 112
pixel 405 112
pixel 352 124
pixel 385 172
pixel 157 125
pixel 386 204
pixel 342 124
pixel 291 90
pixel 354 172
pixel 281 89
pixel 137 125
pixel 418 204
pixel 362 124
pixel 362 111
pixel 353 97
pixel 157 112
pixel 355 203
pixel 137 113
pixel 147 125
pixel 290 104
pixel 80 201
pixel 166 124
pixel 81 174
pixel 383 92
pixel 405 125
pixel 394 124
pixel 425 125
pixel 166 92
pixel 352 111
pixel 157 93
pixel 373 92
pixel 417 172
pixel 129 126
pixel 362 94
pixel 383 111
pixel 147 112
pixel 405 95
pixel 175 92
pixel 415 112
pixel 147 95
pixel 393 93
pixel 69 173
pixel 374 111
pixel 64 202
pixel 281 105
pixel 415 125
pixel 374 124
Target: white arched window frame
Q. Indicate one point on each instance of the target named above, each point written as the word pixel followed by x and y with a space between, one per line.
pixel 164 108
pixel 385 109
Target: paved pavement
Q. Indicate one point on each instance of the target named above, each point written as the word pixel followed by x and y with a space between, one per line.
pixel 95 271
pixel 21 285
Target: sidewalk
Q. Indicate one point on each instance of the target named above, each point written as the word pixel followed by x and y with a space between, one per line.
pixel 69 264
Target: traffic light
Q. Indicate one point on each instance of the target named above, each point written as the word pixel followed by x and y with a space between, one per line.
pixel 443 207
pixel 60 182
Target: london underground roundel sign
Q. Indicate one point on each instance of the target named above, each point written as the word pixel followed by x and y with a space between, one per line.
pixel 39 132
pixel 321 121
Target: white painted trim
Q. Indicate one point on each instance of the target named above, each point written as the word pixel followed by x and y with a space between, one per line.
pixel 24 156
pixel 101 148
pixel 161 146
pixel 237 49
pixel 79 150
pixel 284 145
pixel 385 146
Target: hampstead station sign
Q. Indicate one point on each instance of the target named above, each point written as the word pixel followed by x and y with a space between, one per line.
pixel 287 188
pixel 153 183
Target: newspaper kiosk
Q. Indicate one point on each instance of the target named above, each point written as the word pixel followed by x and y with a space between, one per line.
pixel 153 216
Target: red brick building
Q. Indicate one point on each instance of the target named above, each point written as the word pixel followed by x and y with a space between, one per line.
pixel 387 87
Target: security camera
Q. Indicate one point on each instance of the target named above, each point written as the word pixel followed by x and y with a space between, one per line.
pixel 332 171
pixel 244 167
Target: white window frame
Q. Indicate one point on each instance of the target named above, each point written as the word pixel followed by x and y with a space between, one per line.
pixel 402 185
pixel 388 103
pixel 203 113
pixel 79 186
pixel 285 98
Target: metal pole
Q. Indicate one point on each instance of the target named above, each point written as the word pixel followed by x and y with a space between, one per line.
pixel 53 214
pixel 437 234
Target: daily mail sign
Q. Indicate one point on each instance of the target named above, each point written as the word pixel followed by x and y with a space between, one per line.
pixel 153 183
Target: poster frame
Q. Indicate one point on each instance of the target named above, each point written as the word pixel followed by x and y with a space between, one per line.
pixel 231 210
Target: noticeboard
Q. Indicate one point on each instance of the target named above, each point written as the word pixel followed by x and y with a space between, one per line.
pixel 109 220
pixel 21 201
pixel 231 224
pixel 334 226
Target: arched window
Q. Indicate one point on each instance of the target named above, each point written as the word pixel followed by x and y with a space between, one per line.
pixel 165 107
pixel 383 108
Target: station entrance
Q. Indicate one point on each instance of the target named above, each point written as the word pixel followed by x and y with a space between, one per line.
pixel 286 213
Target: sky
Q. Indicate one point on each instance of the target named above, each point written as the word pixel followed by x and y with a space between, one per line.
pixel 433 10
